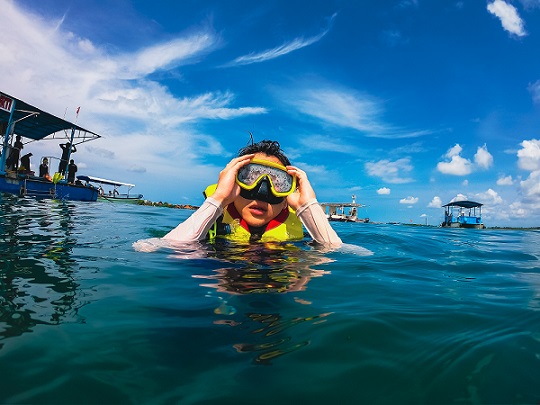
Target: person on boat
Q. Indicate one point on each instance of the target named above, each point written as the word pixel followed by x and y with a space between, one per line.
pixel 24 168
pixel 13 158
pixel 259 196
pixel 67 148
pixel 44 169
pixel 72 169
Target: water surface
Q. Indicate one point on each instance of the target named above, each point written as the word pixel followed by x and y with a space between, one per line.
pixel 431 316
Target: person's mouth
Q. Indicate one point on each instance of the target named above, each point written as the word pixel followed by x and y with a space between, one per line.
pixel 257 209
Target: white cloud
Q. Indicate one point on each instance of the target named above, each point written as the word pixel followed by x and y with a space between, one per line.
pixel 505 181
pixel 465 183
pixel 510 19
pixel 459 197
pixel 483 158
pixel 530 4
pixel 517 211
pixel 409 200
pixel 457 166
pixel 383 191
pixel 176 52
pixel 340 107
pixel 345 108
pixel 490 197
pixel 454 150
pixel 329 144
pixel 408 3
pixel 141 119
pixel 284 49
pixel 528 159
pixel 435 203
pixel 530 188
pixel 534 89
pixel 460 166
pixel 529 155
pixel 394 172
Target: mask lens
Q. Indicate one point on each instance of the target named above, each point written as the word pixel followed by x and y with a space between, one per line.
pixel 261 192
pixel 249 175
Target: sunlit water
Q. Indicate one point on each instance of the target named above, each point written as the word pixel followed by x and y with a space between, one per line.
pixel 431 316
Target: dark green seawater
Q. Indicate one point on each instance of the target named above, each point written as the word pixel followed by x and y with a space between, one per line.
pixel 433 316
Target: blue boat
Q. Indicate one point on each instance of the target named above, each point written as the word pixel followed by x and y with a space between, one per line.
pixel 18 118
pixel 463 214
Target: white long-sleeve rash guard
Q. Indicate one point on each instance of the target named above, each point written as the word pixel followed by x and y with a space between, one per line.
pixel 197 225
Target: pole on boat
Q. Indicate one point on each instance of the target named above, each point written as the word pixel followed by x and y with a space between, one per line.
pixel 6 136
pixel 69 152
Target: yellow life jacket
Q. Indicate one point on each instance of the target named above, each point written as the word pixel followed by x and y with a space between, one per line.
pixel 285 227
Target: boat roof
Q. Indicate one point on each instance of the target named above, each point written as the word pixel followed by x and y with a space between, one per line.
pixel 348 205
pixel 104 181
pixel 463 204
pixel 34 123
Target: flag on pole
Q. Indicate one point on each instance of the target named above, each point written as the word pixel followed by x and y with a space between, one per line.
pixel 78 108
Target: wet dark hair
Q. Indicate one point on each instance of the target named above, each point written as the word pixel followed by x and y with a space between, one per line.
pixel 271 148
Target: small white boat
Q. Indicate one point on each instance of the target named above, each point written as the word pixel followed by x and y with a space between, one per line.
pixel 344 212
pixel 114 192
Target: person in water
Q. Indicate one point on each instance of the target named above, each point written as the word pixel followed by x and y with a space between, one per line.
pixel 259 196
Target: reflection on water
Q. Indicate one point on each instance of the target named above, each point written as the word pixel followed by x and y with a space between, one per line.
pixel 273 327
pixel 263 268
pixel 36 282
pixel 267 270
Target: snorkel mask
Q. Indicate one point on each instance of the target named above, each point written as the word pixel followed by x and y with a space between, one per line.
pixel 265 181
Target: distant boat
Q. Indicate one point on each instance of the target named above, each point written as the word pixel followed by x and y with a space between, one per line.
pixel 463 214
pixel 114 193
pixel 33 124
pixel 344 212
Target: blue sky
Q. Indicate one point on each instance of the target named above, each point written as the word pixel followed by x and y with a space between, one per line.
pixel 405 103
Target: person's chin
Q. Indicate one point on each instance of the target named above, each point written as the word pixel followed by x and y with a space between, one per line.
pixel 256 220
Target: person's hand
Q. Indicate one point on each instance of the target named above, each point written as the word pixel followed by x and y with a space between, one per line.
pixel 304 191
pixel 227 189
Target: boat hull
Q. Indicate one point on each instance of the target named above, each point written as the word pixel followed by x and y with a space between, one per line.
pixel 40 188
pixel 461 225
pixel 473 226
pixel 124 200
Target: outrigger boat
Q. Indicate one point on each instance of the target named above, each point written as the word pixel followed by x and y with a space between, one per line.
pixel 463 214
pixel 33 124
pixel 112 195
pixel 344 212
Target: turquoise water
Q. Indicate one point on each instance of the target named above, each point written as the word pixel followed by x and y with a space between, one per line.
pixel 431 316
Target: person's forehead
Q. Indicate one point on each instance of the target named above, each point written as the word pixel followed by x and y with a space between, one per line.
pixel 264 156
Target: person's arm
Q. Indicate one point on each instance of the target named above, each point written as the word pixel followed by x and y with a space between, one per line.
pixel 197 225
pixel 304 201
pixel 314 219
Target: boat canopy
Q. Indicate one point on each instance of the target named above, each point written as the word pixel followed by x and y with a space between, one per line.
pixel 463 204
pixel 104 181
pixel 36 124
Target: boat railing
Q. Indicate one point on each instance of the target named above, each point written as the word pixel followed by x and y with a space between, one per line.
pixel 469 220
